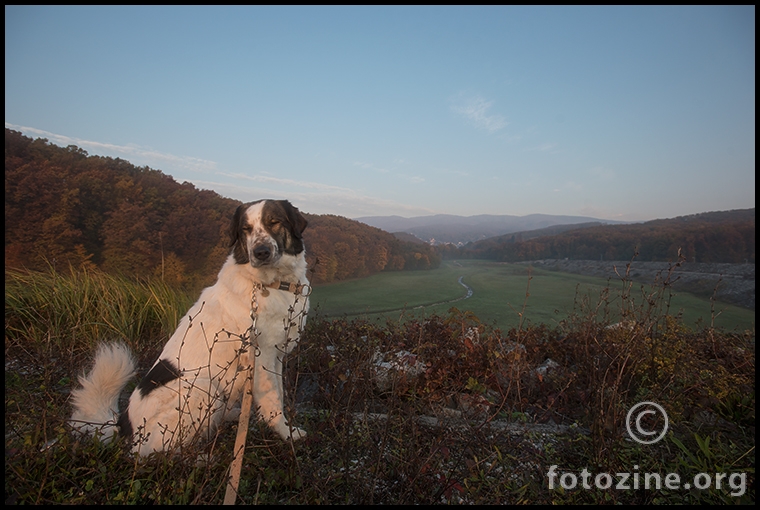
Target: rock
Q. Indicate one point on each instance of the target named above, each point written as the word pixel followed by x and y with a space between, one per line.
pixel 544 368
pixel 392 369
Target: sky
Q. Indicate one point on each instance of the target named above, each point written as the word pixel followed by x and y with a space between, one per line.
pixel 619 113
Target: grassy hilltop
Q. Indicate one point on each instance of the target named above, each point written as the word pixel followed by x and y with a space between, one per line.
pixel 442 408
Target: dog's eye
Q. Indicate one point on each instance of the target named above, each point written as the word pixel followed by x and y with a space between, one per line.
pixel 247 228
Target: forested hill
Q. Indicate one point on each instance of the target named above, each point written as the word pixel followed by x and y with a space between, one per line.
pixel 65 207
pixel 725 236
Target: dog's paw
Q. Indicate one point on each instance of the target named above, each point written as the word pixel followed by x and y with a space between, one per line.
pixel 297 434
pixel 290 433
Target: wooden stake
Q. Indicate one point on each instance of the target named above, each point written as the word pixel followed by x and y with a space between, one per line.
pixel 233 482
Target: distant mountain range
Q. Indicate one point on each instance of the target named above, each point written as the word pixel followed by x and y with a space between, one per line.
pixel 448 228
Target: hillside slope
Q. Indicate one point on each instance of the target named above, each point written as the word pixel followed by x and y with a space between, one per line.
pixel 722 236
pixel 447 228
pixel 64 207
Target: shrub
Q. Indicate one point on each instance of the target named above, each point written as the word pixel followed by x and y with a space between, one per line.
pixel 466 413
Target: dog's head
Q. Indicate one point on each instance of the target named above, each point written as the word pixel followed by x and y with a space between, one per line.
pixel 262 232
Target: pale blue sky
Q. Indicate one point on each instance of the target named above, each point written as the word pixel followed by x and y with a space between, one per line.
pixel 629 113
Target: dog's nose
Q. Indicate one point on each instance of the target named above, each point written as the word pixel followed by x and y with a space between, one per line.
pixel 262 252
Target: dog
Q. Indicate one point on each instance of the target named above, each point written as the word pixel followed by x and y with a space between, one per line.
pixel 253 315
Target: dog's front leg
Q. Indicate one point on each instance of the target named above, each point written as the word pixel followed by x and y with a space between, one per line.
pixel 235 385
pixel 269 395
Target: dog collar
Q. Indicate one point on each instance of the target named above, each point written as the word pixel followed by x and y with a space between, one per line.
pixel 294 288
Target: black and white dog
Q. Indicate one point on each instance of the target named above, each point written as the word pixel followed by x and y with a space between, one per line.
pixel 201 373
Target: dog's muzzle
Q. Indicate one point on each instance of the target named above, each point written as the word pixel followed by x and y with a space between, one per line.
pixel 263 253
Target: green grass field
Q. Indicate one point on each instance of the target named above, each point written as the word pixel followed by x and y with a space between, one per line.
pixel 499 293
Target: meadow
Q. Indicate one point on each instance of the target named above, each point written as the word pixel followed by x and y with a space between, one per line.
pixel 499 296
pixel 469 415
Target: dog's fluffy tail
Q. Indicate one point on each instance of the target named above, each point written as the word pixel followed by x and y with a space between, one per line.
pixel 96 403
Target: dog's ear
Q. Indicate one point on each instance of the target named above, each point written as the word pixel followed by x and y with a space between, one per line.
pixel 240 250
pixel 298 220
pixel 234 230
pixel 296 225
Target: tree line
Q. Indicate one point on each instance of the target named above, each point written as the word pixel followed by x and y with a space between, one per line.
pixel 69 209
pixel 724 236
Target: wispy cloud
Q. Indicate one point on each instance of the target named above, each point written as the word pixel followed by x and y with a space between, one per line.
pixel 475 109
pixel 414 179
pixel 289 183
pixel 369 166
pixel 313 197
pixel 134 153
pixel 309 196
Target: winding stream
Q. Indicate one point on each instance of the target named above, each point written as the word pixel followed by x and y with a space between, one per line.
pixel 466 296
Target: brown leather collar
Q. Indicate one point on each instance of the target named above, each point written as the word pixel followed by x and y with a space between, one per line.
pixel 294 288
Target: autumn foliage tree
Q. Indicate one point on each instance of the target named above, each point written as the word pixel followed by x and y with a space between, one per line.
pixel 69 209
pixel 339 248
pixel 725 236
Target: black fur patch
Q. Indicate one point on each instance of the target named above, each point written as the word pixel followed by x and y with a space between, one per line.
pixel 125 426
pixel 160 374
pixel 237 236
